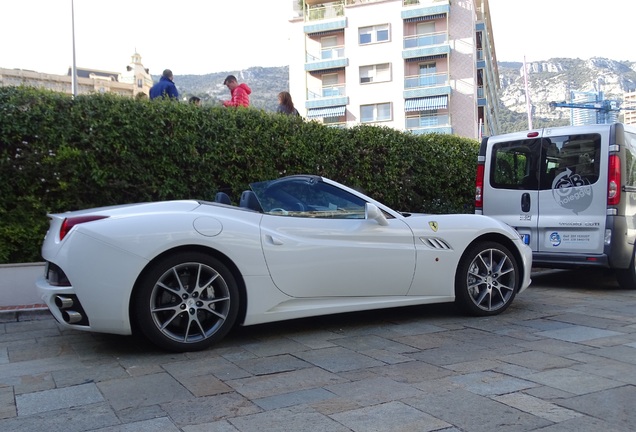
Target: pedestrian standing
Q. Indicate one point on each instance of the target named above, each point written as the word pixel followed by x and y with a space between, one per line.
pixel 165 88
pixel 286 105
pixel 240 92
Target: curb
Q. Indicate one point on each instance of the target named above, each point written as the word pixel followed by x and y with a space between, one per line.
pixel 30 312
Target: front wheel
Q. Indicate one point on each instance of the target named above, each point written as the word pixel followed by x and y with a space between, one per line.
pixel 487 279
pixel 186 302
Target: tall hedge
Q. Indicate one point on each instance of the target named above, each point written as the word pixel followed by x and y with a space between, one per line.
pixel 58 154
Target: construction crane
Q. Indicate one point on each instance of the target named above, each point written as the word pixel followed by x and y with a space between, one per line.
pixel 603 108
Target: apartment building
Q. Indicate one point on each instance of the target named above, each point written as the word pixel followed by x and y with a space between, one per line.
pixel 416 65
pixel 134 80
pixel 629 108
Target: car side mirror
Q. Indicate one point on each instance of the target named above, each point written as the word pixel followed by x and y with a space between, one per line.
pixel 373 212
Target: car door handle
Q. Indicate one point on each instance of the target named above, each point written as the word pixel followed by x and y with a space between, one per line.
pixel 525 202
pixel 273 240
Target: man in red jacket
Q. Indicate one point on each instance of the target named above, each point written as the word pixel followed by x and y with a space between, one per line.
pixel 240 92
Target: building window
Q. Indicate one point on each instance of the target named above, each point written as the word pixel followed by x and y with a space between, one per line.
pixel 427 119
pixel 339 121
pixel 428 74
pixel 328 45
pixel 375 112
pixel 375 73
pixel 140 83
pixel 330 86
pixel 373 34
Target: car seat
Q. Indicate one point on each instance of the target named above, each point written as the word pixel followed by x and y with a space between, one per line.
pixel 249 200
pixel 222 198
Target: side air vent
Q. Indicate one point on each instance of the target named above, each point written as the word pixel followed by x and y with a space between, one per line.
pixel 435 243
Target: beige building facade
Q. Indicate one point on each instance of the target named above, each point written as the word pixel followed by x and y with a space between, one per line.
pixel 135 79
pixel 629 108
pixel 416 65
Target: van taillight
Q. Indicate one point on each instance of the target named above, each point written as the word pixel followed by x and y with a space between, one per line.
pixel 479 187
pixel 614 181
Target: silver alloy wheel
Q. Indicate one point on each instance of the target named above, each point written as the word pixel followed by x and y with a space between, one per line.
pixel 491 279
pixel 190 302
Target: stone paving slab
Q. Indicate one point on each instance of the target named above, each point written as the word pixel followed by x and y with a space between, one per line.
pixel 561 359
pixel 59 398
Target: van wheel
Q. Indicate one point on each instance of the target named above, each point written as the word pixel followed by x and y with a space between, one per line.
pixel 627 277
pixel 487 279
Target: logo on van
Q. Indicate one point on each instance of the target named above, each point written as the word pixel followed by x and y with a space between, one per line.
pixel 555 239
pixel 571 191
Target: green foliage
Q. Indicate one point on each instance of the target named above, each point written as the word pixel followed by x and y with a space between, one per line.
pixel 58 154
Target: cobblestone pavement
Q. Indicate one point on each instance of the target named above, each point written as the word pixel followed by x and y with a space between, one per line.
pixel 562 358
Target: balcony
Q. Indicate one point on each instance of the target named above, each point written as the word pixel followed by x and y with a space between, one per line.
pixel 424 45
pixel 328 58
pixel 426 80
pixel 414 10
pixel 327 96
pixel 327 92
pixel 425 40
pixel 424 124
pixel 416 86
pixel 322 10
pixel 481 96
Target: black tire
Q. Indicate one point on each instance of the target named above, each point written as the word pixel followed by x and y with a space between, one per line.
pixel 487 279
pixel 626 278
pixel 186 302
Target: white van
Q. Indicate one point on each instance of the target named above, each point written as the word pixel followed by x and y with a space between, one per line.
pixel 569 191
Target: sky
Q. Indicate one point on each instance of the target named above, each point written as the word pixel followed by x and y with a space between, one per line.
pixel 204 36
pixel 545 29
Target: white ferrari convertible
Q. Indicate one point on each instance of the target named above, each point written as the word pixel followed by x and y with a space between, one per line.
pixel 184 272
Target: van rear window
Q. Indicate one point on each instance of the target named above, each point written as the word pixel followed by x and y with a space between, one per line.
pixel 547 163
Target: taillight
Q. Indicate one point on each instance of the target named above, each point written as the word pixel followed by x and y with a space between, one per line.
pixel 614 181
pixel 479 186
pixel 71 222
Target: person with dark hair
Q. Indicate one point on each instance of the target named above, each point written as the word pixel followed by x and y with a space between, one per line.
pixel 240 92
pixel 195 101
pixel 286 105
pixel 165 88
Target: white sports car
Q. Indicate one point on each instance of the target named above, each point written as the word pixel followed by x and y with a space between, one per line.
pixel 184 272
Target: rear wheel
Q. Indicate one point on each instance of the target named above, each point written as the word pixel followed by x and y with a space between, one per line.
pixel 487 279
pixel 626 278
pixel 186 302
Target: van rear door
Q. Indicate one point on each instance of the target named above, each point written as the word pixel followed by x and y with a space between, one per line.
pixel 511 185
pixel 572 195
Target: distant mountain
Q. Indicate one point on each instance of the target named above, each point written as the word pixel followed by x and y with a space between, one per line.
pixel 265 82
pixel 550 80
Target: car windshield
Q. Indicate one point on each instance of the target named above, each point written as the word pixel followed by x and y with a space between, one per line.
pixel 307 196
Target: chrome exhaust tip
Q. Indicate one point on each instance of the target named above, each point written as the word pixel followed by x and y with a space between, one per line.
pixel 63 302
pixel 71 317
